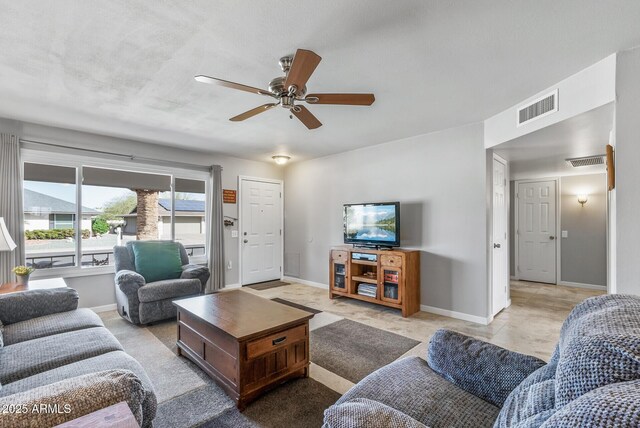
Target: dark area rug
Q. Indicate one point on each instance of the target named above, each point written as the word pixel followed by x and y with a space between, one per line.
pixel 267 285
pixel 297 403
pixel 353 350
pixel 296 305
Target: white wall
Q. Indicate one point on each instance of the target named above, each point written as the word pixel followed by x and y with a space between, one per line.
pixel 439 179
pixel 627 194
pixel 36 221
pixel 99 288
pixel 590 88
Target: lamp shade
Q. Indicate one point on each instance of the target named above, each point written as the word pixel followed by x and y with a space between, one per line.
pixel 6 243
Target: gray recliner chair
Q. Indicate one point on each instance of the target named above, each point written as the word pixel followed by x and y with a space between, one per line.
pixel 140 302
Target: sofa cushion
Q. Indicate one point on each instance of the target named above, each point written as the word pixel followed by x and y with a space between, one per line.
pixel 16 307
pixel 51 324
pixel 73 397
pixel 35 356
pixel 108 361
pixel 362 412
pixel 411 387
pixel 599 345
pixel 157 260
pixel 483 369
pixel 168 289
pixel 532 402
pixel 614 405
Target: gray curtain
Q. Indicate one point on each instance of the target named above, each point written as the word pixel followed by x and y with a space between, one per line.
pixel 11 204
pixel 215 241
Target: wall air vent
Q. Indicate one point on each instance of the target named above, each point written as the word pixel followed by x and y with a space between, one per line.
pixel 586 161
pixel 538 108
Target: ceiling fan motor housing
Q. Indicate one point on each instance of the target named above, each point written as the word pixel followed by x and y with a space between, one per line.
pixel 276 87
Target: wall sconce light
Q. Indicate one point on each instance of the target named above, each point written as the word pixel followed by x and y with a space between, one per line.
pixel 281 159
pixel 582 199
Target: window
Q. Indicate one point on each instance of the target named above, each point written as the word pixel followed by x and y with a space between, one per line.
pixel 117 206
pixel 190 215
pixel 50 229
pixel 62 221
pixel 128 208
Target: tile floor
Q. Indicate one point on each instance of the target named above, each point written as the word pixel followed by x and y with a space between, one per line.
pixel 531 324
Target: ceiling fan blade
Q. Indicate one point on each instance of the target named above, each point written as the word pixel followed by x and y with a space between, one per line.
pixel 303 65
pixel 232 85
pixel 252 112
pixel 344 99
pixel 305 116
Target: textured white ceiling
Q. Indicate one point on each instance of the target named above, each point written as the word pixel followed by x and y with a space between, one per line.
pixel 125 68
pixel 543 153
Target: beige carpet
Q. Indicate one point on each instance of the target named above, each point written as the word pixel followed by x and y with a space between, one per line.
pixel 170 375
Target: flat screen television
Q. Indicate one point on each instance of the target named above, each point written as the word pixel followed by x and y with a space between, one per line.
pixel 372 224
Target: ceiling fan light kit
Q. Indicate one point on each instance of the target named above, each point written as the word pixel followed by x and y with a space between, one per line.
pixel 291 88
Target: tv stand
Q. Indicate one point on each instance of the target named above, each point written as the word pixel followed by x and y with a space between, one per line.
pixel 389 277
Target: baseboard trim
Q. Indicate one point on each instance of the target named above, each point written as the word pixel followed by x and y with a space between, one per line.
pixel 305 282
pixel 237 285
pixel 457 315
pixel 508 303
pixel 104 308
pixel 514 277
pixel 581 285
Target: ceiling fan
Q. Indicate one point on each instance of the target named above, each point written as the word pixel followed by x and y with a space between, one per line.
pixel 291 88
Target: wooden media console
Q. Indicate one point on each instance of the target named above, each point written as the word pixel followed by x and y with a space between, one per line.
pixel 393 276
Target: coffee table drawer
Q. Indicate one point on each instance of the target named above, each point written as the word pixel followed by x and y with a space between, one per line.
pixel 277 340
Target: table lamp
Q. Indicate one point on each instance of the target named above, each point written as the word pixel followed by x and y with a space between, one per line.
pixel 6 243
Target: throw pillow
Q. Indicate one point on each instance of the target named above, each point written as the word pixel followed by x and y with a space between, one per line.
pixel 157 260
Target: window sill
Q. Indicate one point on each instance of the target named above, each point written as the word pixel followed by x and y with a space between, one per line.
pixel 72 272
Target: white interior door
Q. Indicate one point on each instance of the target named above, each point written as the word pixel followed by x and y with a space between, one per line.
pixel 537 231
pixel 261 222
pixel 499 272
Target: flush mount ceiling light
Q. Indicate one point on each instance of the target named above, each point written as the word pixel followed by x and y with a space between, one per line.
pixel 281 159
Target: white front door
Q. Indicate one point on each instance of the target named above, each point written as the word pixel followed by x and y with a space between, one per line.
pixel 499 271
pixel 537 231
pixel 260 222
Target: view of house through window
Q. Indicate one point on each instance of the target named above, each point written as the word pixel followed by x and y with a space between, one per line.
pixel 50 215
pixel 117 207
pixel 190 215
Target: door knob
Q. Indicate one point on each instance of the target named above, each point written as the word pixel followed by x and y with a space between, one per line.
pixel 552 237
pixel 496 245
pixel 245 241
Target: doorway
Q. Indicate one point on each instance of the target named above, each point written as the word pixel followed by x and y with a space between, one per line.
pixel 261 223
pixel 535 231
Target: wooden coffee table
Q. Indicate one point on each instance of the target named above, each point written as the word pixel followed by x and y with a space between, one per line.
pixel 247 344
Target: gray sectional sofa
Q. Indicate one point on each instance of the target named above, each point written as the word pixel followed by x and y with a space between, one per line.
pixel 592 380
pixel 55 354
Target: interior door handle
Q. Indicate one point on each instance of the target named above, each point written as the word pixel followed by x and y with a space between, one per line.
pixel 552 237
pixel 245 241
pixel 496 245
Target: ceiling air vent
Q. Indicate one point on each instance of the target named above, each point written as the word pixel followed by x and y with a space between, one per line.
pixel 586 161
pixel 540 107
